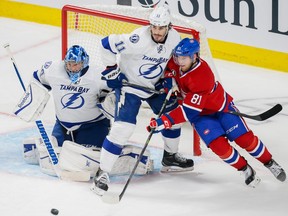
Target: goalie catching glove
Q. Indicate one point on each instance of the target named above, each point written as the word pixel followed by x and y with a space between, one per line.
pixel 113 77
pixel 164 122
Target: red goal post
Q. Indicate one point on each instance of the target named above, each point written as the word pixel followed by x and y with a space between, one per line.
pixel 86 26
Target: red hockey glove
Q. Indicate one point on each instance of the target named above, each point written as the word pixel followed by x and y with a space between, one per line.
pixel 164 122
pixel 168 84
pixel 169 81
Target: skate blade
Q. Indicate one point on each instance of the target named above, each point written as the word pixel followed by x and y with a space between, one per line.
pixel 175 169
pixel 255 182
pixel 100 192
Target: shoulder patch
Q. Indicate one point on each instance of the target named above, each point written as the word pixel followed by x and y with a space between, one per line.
pixel 47 64
pixel 134 38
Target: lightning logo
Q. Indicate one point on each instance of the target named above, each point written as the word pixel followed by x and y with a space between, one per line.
pixel 72 101
pixel 151 71
pixel 120 103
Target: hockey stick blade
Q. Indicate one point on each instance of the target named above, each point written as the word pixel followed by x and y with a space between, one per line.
pixel 111 198
pixel 263 116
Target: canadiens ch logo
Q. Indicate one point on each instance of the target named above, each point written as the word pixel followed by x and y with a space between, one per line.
pixel 206 132
pixel 72 101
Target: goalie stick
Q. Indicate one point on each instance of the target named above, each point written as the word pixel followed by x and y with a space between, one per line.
pixel 260 117
pixel 49 147
pixel 113 198
pixel 65 175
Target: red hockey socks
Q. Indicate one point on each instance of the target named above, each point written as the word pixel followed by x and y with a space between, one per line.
pixel 227 153
pixel 254 147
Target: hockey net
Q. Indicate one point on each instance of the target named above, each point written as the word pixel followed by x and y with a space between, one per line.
pixel 86 26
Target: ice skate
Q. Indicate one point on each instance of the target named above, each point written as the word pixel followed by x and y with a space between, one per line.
pixel 175 162
pixel 251 179
pixel 276 170
pixel 100 182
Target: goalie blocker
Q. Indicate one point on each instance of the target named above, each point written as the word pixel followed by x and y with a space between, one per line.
pixel 78 158
pixel 33 102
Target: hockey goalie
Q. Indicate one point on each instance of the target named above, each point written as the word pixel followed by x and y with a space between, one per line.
pixel 81 126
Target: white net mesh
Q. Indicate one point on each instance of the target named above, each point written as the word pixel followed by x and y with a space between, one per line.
pixel 86 27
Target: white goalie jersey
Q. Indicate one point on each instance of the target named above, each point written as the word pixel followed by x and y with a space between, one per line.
pixel 75 104
pixel 141 69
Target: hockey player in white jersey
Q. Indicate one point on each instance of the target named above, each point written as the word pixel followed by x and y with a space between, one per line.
pixel 80 127
pixel 77 117
pixel 143 55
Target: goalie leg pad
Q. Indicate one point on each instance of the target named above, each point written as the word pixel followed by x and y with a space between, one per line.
pixel 78 158
pixel 30 152
pixel 33 102
pixel 44 160
pixel 127 160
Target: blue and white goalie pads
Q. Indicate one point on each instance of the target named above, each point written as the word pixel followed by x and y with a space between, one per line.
pixel 77 161
pixel 33 102
pixel 30 152
pixel 76 158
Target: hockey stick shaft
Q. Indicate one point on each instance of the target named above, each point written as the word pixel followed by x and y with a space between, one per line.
pixel 125 83
pixel 49 147
pixel 7 47
pixel 106 197
pixel 260 117
pixel 145 145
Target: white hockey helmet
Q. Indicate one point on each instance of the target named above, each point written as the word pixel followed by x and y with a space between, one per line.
pixel 160 16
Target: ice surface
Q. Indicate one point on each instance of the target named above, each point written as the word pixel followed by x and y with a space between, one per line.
pixel 213 188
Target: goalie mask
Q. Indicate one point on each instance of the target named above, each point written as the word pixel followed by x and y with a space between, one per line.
pixel 76 59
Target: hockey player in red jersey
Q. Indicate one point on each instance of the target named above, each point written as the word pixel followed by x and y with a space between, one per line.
pixel 205 104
